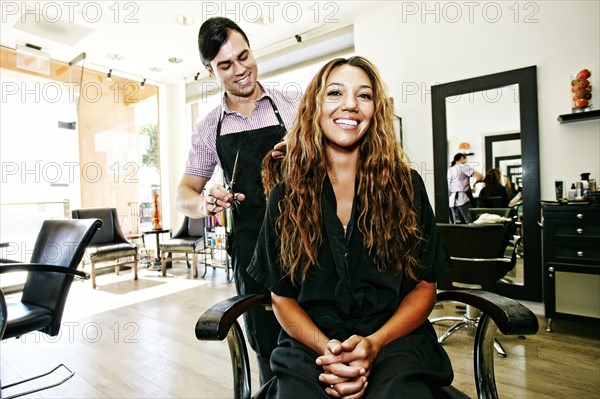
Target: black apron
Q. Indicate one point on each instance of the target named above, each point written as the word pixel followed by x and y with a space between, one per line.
pixel 261 325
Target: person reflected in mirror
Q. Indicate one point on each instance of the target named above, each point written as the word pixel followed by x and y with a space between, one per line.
pixel 250 122
pixel 459 188
pixel 493 187
pixel 350 251
pixel 509 186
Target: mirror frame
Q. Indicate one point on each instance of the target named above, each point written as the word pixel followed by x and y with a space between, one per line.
pixel 526 78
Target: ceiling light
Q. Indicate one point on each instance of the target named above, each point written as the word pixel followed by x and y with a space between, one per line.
pixel 109 75
pixel 155 69
pixel 32 58
pixel 143 85
pixel 114 56
pixel 184 20
pixel 175 60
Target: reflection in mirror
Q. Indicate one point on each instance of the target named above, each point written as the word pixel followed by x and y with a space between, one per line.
pixel 497 115
pixel 489 121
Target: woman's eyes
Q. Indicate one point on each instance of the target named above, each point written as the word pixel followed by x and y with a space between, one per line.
pixel 363 96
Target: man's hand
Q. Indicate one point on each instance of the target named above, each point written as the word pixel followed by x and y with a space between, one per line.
pixel 279 150
pixel 218 198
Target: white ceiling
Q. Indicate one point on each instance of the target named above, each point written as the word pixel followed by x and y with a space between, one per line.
pixel 145 34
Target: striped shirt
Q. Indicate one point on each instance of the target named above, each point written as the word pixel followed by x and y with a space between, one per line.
pixel 203 157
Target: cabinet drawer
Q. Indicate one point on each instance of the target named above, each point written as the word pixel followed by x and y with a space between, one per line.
pixel 589 213
pixel 573 253
pixel 572 229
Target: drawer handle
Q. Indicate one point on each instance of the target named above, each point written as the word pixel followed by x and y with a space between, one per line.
pixel 580 216
pixel 580 231
pixel 551 269
pixel 579 253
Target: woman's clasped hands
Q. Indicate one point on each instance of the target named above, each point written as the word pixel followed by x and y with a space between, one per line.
pixel 347 365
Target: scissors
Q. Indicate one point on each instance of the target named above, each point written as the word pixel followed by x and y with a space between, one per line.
pixel 231 186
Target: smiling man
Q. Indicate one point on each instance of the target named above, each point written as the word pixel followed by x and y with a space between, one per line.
pixel 249 124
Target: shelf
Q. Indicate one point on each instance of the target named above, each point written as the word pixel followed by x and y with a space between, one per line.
pixel 579 116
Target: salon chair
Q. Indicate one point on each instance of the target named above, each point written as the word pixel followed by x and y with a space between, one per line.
pixel 58 250
pixel 477 253
pixel 109 248
pixel 219 322
pixel 489 202
pixel 188 240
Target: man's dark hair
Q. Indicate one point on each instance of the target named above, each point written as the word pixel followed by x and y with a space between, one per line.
pixel 213 33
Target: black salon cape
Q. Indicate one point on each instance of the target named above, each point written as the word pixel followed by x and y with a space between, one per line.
pixel 346 295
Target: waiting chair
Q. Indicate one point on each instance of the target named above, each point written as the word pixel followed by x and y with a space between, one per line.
pixel 477 253
pixel 110 244
pixel 188 240
pixel 220 322
pixel 58 250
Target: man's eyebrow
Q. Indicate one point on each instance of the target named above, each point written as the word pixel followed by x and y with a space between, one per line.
pixel 229 61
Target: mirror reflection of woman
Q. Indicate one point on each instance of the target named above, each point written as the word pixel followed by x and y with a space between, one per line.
pixel 459 188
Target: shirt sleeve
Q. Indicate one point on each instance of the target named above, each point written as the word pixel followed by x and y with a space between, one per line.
pixel 265 266
pixel 202 157
pixel 432 251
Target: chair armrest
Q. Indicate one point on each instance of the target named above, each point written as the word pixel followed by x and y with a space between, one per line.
pixel 41 267
pixel 510 316
pixel 215 322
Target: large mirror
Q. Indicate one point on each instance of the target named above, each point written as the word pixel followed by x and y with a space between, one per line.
pixel 507 140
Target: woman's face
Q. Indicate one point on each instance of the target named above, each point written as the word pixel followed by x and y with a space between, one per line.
pixel 347 108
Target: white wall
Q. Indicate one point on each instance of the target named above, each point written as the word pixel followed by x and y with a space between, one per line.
pixel 420 44
pixel 175 140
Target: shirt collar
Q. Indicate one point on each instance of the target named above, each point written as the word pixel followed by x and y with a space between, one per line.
pixel 267 93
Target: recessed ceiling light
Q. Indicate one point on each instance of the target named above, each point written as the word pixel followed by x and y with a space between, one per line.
pixel 184 20
pixel 175 60
pixel 155 69
pixel 114 56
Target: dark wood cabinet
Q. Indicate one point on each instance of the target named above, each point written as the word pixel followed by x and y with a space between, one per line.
pixel 571 261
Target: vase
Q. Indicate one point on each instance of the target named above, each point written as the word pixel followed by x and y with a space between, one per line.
pixel 581 91
pixel 156 214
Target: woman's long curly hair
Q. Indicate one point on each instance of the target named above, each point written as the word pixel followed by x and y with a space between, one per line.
pixel 386 216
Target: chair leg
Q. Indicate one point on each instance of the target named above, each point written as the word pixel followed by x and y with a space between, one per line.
pixel 135 266
pixel 499 348
pixel 453 329
pixel 163 264
pixel 71 374
pixel 194 265
pixel 93 278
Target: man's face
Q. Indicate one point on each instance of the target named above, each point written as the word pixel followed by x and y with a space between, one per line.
pixel 234 66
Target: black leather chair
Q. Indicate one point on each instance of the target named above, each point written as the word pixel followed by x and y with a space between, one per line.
pixel 489 202
pixel 109 248
pixel 478 260
pixel 188 240
pixel 58 250
pixel 219 322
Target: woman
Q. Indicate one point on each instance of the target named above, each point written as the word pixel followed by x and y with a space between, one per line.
pixel 350 251
pixel 459 188
pixel 494 188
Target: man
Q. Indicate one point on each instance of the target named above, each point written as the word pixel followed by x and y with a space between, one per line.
pixel 250 122
pixel 459 188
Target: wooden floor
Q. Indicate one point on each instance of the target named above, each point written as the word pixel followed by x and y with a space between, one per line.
pixel 136 340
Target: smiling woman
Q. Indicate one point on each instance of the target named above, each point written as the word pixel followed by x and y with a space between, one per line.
pixel 350 251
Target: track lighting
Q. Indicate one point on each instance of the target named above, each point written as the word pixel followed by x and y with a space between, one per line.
pixel 109 75
pixel 197 75
pixel 143 85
